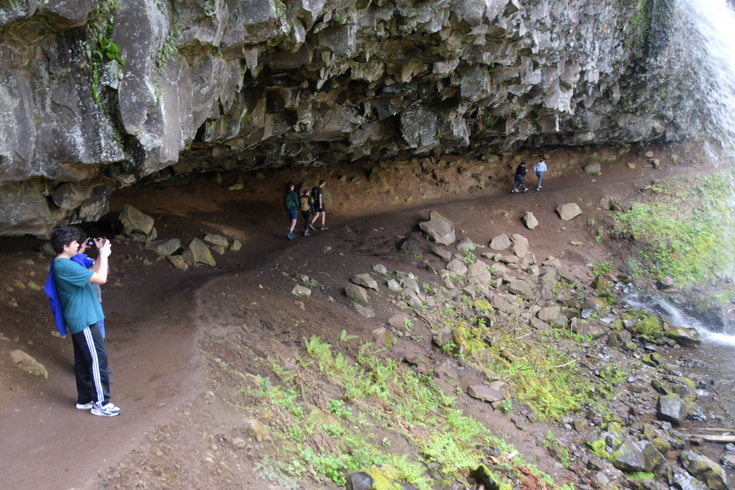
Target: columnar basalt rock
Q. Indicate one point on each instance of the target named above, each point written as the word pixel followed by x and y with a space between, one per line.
pixel 110 96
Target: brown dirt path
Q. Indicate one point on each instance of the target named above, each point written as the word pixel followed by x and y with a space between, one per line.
pixel 152 339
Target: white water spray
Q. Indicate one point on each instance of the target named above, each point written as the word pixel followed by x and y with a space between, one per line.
pixel 713 43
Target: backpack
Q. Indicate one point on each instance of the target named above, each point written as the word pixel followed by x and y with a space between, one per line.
pixel 305 203
pixel 315 194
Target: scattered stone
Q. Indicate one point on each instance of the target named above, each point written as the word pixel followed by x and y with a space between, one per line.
pixel 441 252
pixel 704 469
pixel 500 242
pixel 593 168
pixel 456 268
pixel 363 311
pixel 568 211
pixel 688 337
pixel 520 245
pixel 529 220
pixel 135 224
pixel 217 240
pixel 178 262
pixel 485 393
pixel 301 291
pixel 198 253
pixel 522 288
pixel 466 245
pixel 166 248
pixel 365 280
pixel 394 286
pixel 358 294
pixel 28 363
pixel 671 408
pixel 236 245
pixel 439 229
pixel 665 283
pixel 400 321
pixel 380 269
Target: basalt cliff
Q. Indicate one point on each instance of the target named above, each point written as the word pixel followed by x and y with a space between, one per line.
pixel 98 94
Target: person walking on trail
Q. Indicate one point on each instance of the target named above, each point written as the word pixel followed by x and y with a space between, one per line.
pixel 291 201
pixel 82 313
pixel 317 194
pixel 306 204
pixel 540 170
pixel 520 178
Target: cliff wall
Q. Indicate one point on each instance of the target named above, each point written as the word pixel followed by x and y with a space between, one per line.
pixel 98 94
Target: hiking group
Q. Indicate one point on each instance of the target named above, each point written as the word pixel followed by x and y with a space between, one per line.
pixel 311 205
pixel 519 182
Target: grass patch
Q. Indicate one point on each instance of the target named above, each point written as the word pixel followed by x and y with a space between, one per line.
pixel 684 232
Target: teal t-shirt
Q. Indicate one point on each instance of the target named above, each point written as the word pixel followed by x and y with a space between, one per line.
pixel 77 296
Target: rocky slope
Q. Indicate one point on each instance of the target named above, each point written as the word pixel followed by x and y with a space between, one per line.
pixel 97 94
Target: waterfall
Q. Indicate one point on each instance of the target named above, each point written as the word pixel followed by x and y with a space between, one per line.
pixel 710 42
pixel 712 46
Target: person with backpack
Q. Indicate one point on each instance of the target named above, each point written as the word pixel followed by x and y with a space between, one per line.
pixel 317 195
pixel 306 204
pixel 520 178
pixel 540 170
pixel 291 201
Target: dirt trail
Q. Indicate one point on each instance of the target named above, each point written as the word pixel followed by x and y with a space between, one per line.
pixel 151 310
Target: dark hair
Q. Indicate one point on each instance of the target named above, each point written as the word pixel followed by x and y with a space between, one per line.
pixel 64 235
pixel 289 185
pixel 523 162
pixel 322 182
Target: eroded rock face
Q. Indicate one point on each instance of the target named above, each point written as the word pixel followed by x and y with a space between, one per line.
pixel 240 84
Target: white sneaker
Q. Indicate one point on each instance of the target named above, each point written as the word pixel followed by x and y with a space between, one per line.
pixel 108 410
pixel 85 406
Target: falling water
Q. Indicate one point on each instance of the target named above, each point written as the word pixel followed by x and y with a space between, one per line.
pixel 709 45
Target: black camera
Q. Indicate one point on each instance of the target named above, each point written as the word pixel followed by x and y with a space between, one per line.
pixel 90 242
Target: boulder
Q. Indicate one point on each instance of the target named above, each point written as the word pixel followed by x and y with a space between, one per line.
pixel 672 408
pixel 485 393
pixel 500 242
pixel 441 252
pixel 704 469
pixel 198 253
pixel 216 240
pixel 522 288
pixel 358 294
pixel 456 268
pixel 365 280
pixel 400 321
pixel 135 224
pixel 165 248
pixel 688 337
pixel 438 229
pixel 28 363
pixel 466 245
pixel 301 291
pixel 568 211
pixel 593 168
pixel 529 220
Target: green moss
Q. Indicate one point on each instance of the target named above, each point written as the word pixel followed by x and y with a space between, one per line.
pixel 383 478
pixel 599 448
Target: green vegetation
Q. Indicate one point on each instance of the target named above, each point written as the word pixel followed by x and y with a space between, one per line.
pixel 99 46
pixel 602 268
pixel 381 400
pixel 683 232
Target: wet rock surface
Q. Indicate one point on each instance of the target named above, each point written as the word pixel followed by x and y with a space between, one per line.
pixel 103 98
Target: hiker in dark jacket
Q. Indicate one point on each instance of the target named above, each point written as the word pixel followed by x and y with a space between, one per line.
pixel 520 178
pixel 291 201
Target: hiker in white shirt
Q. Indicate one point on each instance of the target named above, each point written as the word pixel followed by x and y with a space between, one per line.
pixel 540 170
